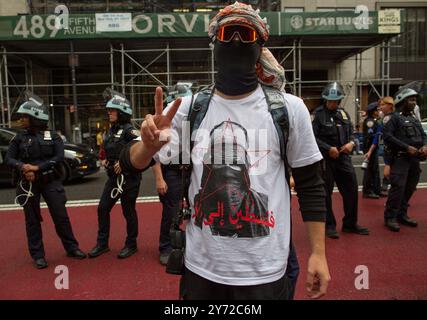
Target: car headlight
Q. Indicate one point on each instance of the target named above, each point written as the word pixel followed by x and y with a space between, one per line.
pixel 73 154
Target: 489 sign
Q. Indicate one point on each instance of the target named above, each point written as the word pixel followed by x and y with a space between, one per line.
pixel 38 25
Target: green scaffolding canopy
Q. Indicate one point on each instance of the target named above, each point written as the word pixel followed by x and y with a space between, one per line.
pixel 180 25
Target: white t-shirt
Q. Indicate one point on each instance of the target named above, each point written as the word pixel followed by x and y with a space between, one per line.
pixel 239 232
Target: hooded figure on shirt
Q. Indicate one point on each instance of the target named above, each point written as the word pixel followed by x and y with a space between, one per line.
pixel 225 202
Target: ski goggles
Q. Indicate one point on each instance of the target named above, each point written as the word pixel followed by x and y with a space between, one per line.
pixel 228 32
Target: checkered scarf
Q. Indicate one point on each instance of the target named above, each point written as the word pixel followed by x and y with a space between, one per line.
pixel 269 71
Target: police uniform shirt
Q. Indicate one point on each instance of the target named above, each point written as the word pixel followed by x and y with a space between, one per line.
pixel 44 149
pixel 401 131
pixel 332 128
pixel 371 129
pixel 118 136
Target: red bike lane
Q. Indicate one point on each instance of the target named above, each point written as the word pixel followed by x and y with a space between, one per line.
pixel 395 262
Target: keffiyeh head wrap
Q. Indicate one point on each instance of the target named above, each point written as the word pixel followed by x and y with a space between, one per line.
pixel 268 70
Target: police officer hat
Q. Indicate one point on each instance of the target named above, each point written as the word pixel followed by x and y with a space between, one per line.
pixel 117 101
pixel 178 90
pixel 34 107
pixel 372 106
pixel 333 91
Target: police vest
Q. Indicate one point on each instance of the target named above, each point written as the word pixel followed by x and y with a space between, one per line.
pixel 335 127
pixel 36 147
pixel 116 141
pixel 409 130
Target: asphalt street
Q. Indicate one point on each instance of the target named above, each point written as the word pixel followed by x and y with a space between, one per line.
pixel 90 187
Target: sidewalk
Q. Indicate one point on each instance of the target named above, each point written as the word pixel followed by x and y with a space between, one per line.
pixel 397 262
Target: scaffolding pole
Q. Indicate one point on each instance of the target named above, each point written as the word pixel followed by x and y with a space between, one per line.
pixel 294 69
pixel 1 94
pixel 360 86
pixel 123 67
pixel 77 127
pixel 299 67
pixel 356 93
pixel 111 66
pixel 388 67
pixel 6 81
pixel 168 66
pixel 132 89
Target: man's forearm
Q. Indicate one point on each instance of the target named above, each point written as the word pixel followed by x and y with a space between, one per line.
pixel 140 155
pixel 157 170
pixel 316 235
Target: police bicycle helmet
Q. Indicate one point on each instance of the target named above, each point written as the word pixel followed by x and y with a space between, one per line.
pixel 34 107
pixel 405 93
pixel 333 91
pixel 116 100
pixel 178 90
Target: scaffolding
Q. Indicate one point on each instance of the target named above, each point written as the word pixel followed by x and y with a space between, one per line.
pixel 131 76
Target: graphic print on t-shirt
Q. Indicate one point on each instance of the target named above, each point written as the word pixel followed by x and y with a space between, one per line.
pixel 226 203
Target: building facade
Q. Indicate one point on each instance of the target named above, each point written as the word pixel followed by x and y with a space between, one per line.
pixel 70 68
pixel 407 58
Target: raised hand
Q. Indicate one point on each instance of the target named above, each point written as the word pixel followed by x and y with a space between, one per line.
pixel 155 128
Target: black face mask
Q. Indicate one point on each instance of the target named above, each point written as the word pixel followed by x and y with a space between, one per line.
pixel 236 67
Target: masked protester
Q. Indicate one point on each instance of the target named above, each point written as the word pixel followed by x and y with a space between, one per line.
pixel 333 130
pixel 120 184
pixel 238 238
pixel 36 155
pixel 405 138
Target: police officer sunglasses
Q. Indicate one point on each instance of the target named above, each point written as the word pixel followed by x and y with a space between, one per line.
pixel 246 34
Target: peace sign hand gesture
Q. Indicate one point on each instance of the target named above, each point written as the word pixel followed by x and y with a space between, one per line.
pixel 155 128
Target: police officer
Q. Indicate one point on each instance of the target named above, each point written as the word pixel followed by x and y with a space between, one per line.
pixel 371 134
pixel 334 135
pixel 36 154
pixel 169 185
pixel 120 185
pixel 407 142
pixel 386 107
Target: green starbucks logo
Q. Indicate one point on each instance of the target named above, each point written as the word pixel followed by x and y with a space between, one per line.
pixel 297 22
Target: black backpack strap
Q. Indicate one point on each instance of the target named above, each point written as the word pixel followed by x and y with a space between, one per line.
pixel 198 111
pixel 279 112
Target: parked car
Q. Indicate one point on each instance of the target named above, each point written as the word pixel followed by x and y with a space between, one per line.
pixel 79 160
pixel 424 124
